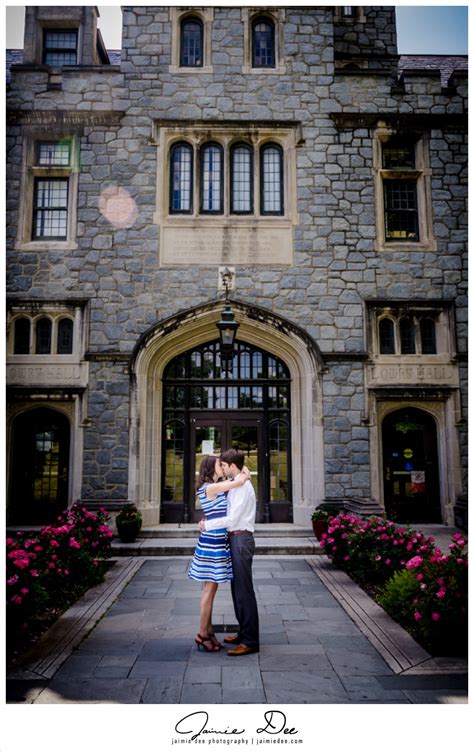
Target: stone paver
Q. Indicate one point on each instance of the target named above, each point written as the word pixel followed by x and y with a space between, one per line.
pixel 143 650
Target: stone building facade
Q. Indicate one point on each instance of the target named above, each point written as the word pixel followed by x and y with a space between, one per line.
pixel 296 151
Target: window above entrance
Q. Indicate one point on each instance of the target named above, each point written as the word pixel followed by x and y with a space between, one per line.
pixel 226 191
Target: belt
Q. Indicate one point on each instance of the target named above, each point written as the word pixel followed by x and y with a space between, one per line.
pixel 238 532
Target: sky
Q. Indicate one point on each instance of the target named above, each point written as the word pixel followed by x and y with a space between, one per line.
pixel 423 29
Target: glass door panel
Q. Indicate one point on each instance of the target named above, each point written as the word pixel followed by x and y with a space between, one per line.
pixel 208 441
pixel 245 439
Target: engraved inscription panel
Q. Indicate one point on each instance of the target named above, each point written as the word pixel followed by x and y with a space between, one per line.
pixel 226 245
pixel 48 375
pixel 413 374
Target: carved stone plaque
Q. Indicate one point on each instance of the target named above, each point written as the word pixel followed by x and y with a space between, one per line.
pixel 402 373
pixel 69 374
pixel 226 245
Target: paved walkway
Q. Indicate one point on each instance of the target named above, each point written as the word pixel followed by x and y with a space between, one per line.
pixel 142 650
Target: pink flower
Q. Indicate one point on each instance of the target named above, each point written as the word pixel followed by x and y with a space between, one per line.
pixel 435 616
pixel 346 558
pixel 73 543
pixel 54 543
pixel 21 563
pixel 12 580
pixel 423 586
pixel 378 557
pixel 461 543
pixel 16 599
pixel 24 590
pixel 66 571
pixel 417 616
pixel 34 572
pixel 387 561
pixel 414 562
pixel 10 541
pixel 441 593
pixel 419 576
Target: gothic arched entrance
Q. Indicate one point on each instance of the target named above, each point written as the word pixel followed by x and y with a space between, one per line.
pixel 207 409
pixel 410 466
pixel 250 415
pixel 40 466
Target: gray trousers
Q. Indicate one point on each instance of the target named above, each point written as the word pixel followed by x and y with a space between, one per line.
pixel 242 549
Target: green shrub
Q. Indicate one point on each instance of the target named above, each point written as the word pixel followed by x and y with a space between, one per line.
pixel 398 594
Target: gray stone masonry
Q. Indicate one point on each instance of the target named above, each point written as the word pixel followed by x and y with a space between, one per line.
pixel 337 264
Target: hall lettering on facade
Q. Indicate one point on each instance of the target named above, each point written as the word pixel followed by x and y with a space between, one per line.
pixel 75 374
pixel 405 374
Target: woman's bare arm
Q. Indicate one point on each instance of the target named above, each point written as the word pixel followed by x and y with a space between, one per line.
pixel 225 485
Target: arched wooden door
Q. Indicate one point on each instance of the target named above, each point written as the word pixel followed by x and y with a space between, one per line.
pixel 40 467
pixel 410 466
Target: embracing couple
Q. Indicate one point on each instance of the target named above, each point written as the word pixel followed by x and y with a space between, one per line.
pixel 225 549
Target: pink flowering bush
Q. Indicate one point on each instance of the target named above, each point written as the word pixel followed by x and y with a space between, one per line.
pixel 46 569
pixel 372 550
pixel 436 614
pixel 417 585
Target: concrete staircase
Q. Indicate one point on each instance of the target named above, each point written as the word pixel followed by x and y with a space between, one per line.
pixel 180 540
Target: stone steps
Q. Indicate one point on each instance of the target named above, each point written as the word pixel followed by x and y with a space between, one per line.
pixel 180 540
pixel 262 530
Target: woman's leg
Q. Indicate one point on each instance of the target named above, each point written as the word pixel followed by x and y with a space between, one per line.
pixel 208 593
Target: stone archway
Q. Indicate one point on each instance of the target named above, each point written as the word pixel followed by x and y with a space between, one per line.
pixel 258 327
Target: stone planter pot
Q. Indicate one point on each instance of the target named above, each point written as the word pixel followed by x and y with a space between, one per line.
pixel 128 531
pixel 320 527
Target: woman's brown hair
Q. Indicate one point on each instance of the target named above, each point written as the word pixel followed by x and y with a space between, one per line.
pixel 207 470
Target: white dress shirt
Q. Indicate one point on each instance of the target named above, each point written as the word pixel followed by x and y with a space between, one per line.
pixel 241 510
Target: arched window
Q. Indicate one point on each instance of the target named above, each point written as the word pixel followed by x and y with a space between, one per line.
pixel 263 43
pixel 212 179
pixel 191 49
pixel 241 178
pixel 386 337
pixel 22 337
pixel 181 179
pixel 428 336
pixel 271 179
pixel 43 337
pixel 65 337
pixel 407 336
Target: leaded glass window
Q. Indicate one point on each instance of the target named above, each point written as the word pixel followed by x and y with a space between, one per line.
pixel 263 43
pixel 386 337
pixel 65 337
pixel 50 212
pixel 398 155
pixel 191 53
pixel 22 337
pixel 271 169
pixel 54 153
pixel 211 179
pixel 59 47
pixel 181 179
pixel 241 179
pixel 407 336
pixel 401 211
pixel 428 336
pixel 43 336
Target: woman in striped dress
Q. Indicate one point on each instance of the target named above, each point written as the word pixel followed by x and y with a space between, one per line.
pixel 211 562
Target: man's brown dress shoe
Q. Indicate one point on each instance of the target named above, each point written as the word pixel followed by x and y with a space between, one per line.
pixel 233 639
pixel 242 650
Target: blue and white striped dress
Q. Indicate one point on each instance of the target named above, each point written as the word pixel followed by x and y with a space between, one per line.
pixel 211 560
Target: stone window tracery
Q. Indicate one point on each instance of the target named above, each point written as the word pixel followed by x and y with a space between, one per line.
pixel 403 191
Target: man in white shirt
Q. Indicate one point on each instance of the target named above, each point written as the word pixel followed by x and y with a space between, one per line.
pixel 240 523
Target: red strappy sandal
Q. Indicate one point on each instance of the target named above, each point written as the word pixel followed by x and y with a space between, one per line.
pixel 201 643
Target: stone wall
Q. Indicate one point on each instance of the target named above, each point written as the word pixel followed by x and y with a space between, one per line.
pixel 337 264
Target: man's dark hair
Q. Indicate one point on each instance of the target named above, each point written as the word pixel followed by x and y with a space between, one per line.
pixel 233 457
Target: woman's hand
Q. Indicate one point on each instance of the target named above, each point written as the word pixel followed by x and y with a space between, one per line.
pixel 242 477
